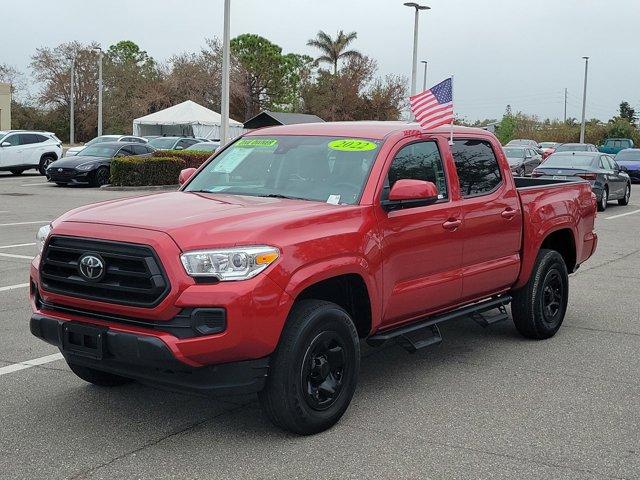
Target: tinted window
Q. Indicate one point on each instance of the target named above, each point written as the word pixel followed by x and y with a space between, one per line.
pixel 419 161
pixel 184 143
pixel 139 149
pixel 40 138
pixel 477 166
pixel 126 150
pixel 27 138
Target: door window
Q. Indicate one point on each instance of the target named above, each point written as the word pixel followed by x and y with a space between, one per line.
pixel 13 140
pixel 477 165
pixel 124 151
pixel 418 161
pixel 139 149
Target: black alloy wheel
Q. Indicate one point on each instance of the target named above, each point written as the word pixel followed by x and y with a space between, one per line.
pixel 323 369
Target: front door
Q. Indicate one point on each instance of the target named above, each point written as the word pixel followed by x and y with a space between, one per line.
pixel 491 219
pixel 10 155
pixel 421 246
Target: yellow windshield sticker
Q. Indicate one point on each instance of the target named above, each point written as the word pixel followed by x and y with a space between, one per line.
pixel 256 142
pixel 352 145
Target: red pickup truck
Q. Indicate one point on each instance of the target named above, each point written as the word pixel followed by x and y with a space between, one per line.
pixel 292 244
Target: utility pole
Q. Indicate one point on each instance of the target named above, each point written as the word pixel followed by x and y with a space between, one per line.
pixel 414 65
pixel 72 139
pixel 224 127
pixel 565 105
pixel 424 79
pixel 584 99
pixel 100 88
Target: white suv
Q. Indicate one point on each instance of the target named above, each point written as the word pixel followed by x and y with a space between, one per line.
pixel 104 138
pixel 22 150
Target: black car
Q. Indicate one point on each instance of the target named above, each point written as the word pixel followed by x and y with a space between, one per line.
pixel 609 181
pixel 92 164
pixel 522 160
pixel 576 147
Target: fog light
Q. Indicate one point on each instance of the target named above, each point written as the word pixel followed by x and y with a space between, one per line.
pixel 209 321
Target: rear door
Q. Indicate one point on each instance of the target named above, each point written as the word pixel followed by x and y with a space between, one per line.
pixel 422 246
pixel 615 178
pixel 491 219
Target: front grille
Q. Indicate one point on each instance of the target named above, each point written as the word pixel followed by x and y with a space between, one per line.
pixel 66 173
pixel 133 273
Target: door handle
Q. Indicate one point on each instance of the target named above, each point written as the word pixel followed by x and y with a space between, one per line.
pixel 452 224
pixel 508 213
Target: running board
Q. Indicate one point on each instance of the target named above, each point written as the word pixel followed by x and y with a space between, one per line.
pixel 425 332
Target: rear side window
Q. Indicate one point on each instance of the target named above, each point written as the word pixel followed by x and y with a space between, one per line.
pixel 419 161
pixel 477 165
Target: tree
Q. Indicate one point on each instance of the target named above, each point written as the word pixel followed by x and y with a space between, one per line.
pixel 507 126
pixel 9 74
pixel 334 50
pixel 627 112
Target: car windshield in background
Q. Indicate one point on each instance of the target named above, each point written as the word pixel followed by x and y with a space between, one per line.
pixel 572 147
pixel 514 152
pixel 99 151
pixel 515 143
pixel 318 168
pixel 203 147
pixel 569 161
pixel 162 143
pixel 628 156
pixel 102 139
pixel 547 145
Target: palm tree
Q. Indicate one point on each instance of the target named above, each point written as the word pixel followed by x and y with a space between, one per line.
pixel 334 50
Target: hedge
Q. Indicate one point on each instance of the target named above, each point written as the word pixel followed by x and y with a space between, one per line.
pixel 192 158
pixel 143 171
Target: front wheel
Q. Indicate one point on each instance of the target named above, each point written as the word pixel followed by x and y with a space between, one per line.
pixel 627 195
pixel 314 370
pixel 604 199
pixel 100 177
pixel 539 307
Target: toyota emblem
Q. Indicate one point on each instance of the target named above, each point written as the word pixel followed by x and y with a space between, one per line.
pixel 91 267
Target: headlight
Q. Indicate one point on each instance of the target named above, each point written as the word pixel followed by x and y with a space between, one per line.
pixel 85 166
pixel 229 264
pixel 42 235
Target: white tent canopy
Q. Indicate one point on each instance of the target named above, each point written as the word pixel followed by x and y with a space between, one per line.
pixel 188 119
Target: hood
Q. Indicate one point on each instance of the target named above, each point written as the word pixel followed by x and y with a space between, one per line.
pixel 514 161
pixel 630 164
pixel 73 150
pixel 203 220
pixel 76 160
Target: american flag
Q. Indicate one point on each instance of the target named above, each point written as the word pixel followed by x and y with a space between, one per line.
pixel 434 107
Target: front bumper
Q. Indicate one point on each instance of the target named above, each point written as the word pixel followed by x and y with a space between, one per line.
pixel 68 176
pixel 148 360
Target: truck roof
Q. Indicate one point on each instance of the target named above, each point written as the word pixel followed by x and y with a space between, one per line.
pixel 367 129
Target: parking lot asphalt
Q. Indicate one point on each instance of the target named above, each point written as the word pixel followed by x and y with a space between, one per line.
pixel 486 403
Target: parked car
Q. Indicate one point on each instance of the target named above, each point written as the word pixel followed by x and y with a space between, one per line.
pixel 22 150
pixel 204 146
pixel 103 139
pixel 629 158
pixel 614 145
pixel 548 148
pixel 608 180
pixel 576 147
pixel 173 143
pixel 522 160
pixel 264 271
pixel 520 142
pixel 92 166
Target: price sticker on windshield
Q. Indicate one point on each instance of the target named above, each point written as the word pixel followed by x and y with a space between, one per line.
pixel 256 142
pixel 352 145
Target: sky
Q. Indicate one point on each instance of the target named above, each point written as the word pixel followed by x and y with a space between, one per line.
pixel 517 52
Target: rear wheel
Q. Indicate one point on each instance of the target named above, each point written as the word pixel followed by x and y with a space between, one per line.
pixel 100 177
pixel 604 199
pixel 98 377
pixel 539 307
pixel 314 370
pixel 45 161
pixel 627 195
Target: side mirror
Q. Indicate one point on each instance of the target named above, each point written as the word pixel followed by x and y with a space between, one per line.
pixel 5 144
pixel 185 175
pixel 623 168
pixel 410 193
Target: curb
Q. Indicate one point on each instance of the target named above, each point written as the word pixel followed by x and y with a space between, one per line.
pixel 147 188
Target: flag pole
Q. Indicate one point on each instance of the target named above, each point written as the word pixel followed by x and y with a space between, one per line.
pixel 452 108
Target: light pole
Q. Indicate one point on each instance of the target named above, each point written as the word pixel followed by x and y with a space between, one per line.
pixel 72 103
pixel 414 65
pixel 424 78
pixel 224 127
pixel 584 99
pixel 100 88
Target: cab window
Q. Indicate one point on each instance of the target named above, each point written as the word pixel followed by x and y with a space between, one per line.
pixel 477 166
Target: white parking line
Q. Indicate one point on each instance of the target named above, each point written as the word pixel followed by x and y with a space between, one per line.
pixel 14 287
pixel 11 255
pixel 17 245
pixel 41 222
pixel 30 363
pixel 622 215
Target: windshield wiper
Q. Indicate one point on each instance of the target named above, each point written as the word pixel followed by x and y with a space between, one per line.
pixel 279 195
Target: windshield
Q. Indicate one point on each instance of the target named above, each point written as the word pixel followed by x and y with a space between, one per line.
pixel 628 156
pixel 569 161
pixel 319 168
pixel 548 145
pixel 99 151
pixel 514 143
pixel 572 147
pixel 162 143
pixel 204 147
pixel 514 152
pixel 102 139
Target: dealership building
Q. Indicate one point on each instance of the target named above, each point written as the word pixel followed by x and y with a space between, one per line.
pixel 5 106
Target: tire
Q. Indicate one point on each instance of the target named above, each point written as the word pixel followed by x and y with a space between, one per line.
pixel 60 184
pixel 627 195
pixel 602 204
pixel 97 377
pixel 45 161
pixel 16 171
pixel 100 177
pixel 539 307
pixel 318 346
